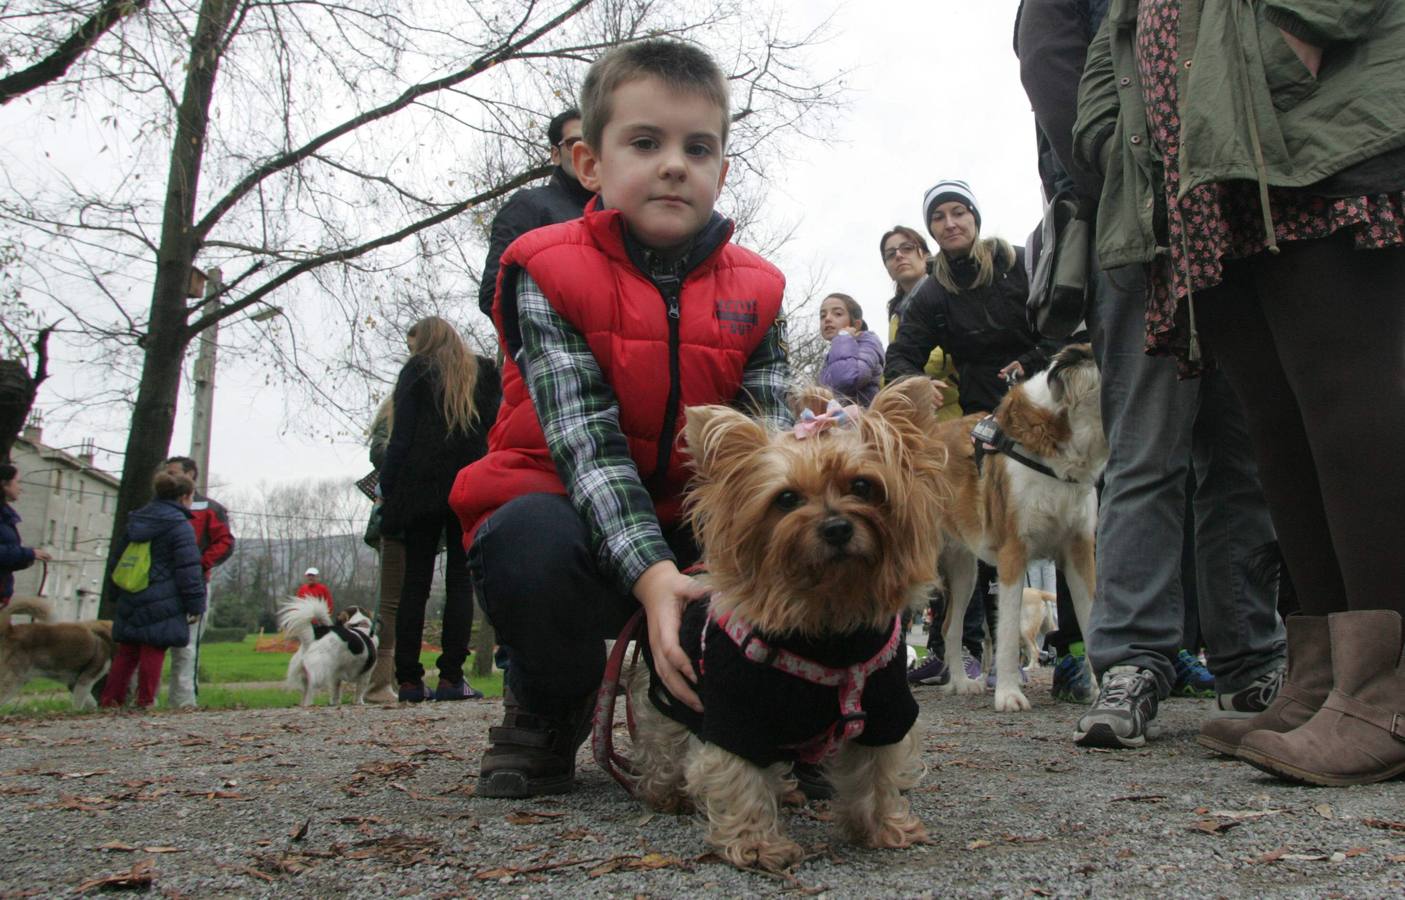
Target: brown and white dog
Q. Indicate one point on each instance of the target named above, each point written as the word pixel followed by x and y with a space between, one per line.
pixel 1035 499
pixel 329 653
pixel 76 654
pixel 814 542
pixel 1035 621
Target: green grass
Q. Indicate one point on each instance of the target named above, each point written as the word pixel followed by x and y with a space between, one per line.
pixel 227 673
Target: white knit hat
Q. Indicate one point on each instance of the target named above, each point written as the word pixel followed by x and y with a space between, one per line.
pixel 949 189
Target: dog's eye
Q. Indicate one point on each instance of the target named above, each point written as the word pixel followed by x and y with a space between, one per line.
pixel 862 488
pixel 787 500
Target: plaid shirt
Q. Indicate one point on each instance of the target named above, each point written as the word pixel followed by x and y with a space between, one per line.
pixel 581 420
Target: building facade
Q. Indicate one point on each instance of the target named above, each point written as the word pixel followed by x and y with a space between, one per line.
pixel 67 508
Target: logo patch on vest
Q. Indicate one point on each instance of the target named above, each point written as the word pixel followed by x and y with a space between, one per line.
pixel 737 316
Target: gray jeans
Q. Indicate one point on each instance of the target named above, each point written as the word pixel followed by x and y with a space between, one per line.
pixel 182 692
pixel 1158 426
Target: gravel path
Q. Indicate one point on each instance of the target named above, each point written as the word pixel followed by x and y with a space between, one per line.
pixel 378 801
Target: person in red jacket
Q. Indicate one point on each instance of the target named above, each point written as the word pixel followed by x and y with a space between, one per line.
pixel 312 587
pixel 611 325
pixel 215 542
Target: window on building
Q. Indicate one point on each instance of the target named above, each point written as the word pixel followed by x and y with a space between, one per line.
pixel 73 539
pixel 58 481
pixel 53 532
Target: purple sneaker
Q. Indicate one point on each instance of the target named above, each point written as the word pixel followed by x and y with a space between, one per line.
pixel 971 665
pixel 932 671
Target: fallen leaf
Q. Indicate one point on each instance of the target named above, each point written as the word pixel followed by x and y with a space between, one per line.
pixel 532 817
pixel 1356 851
pixel 86 774
pixel 1215 826
pixel 138 877
pixel 977 845
pixel 1324 810
pixel 1140 798
pixel 161 849
pixel 1384 823
pixel 1244 815
pixel 1397 858
pixel 299 832
pixel 116 847
pixel 1306 857
pixel 1271 856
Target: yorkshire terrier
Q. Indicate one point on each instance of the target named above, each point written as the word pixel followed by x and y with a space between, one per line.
pixel 814 542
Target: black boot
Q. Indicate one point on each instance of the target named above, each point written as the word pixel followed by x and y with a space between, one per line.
pixel 533 754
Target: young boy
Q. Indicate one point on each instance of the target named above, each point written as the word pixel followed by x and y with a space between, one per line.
pixel 612 325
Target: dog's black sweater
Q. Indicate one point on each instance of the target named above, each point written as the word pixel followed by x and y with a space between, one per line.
pixel 355 641
pixel 764 715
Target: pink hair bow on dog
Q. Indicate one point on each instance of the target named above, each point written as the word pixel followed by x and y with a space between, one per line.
pixel 836 414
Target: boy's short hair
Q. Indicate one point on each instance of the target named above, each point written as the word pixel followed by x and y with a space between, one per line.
pixel 187 464
pixel 172 487
pixel 683 67
pixel 557 126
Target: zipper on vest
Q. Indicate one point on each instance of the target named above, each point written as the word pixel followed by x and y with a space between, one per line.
pixel 670 287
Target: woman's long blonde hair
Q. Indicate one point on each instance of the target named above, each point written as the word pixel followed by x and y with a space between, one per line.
pixel 452 364
pixel 991 256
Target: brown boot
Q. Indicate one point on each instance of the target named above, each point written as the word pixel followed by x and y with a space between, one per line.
pixel 532 754
pixel 1358 736
pixel 383 687
pixel 1305 685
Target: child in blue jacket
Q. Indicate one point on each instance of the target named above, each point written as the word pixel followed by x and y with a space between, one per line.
pixel 158 616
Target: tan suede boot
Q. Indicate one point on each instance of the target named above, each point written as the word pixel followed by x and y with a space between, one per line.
pixel 383 688
pixel 1306 684
pixel 1358 736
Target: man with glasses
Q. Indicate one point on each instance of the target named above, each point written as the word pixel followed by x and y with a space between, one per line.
pixel 559 200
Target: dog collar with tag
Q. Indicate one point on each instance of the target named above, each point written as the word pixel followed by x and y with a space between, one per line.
pixel 987 437
pixel 849 680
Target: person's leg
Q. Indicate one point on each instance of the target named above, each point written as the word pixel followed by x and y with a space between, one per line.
pixel 1244 637
pixel 392 575
pixel 1191 637
pixel 124 663
pixel 1337 316
pixel 421 547
pixel 1147 414
pixel 1235 331
pixel 149 660
pixel 181 692
pixel 458 608
pixel 538 581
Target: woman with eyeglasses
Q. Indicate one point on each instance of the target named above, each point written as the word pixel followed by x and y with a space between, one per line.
pixel 972 305
pixel 905 255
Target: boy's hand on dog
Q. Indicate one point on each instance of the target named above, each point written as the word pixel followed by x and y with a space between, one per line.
pixel 663 590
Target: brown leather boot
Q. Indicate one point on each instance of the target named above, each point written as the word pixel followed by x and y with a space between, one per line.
pixel 383 688
pixel 1305 685
pixel 533 754
pixel 1358 736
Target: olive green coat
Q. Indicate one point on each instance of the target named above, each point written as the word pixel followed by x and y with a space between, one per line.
pixel 1249 109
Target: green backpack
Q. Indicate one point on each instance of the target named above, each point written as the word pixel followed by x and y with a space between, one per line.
pixel 133 571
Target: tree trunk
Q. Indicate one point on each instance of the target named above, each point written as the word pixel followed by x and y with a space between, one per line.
pixel 154 413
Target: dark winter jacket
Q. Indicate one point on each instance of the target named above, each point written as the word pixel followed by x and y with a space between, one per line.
pixel 559 200
pixel 854 366
pixel 157 615
pixel 984 329
pixel 764 715
pixel 14 556
pixel 423 457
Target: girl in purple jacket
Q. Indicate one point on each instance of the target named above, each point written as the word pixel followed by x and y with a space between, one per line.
pixel 854 365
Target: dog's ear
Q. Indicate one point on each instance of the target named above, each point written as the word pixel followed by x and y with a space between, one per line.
pixel 718 435
pixel 1072 373
pixel 911 399
pixel 1039 429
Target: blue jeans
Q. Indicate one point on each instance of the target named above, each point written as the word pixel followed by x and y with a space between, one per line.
pixel 1157 427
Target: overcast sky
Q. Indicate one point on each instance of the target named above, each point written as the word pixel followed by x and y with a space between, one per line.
pixel 934 93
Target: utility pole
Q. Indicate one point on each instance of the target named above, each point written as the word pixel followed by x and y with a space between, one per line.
pixel 204 406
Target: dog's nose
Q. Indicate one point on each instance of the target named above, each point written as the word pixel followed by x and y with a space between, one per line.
pixel 836 530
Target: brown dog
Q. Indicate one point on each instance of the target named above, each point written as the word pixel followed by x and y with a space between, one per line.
pixel 76 654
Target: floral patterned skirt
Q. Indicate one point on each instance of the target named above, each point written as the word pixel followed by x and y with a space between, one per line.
pixel 1215 223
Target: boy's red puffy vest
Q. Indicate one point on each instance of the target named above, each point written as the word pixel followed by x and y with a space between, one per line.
pixel 727 304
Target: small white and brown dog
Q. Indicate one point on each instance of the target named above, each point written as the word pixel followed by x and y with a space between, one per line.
pixel 1023 490
pixel 814 541
pixel 76 654
pixel 329 653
